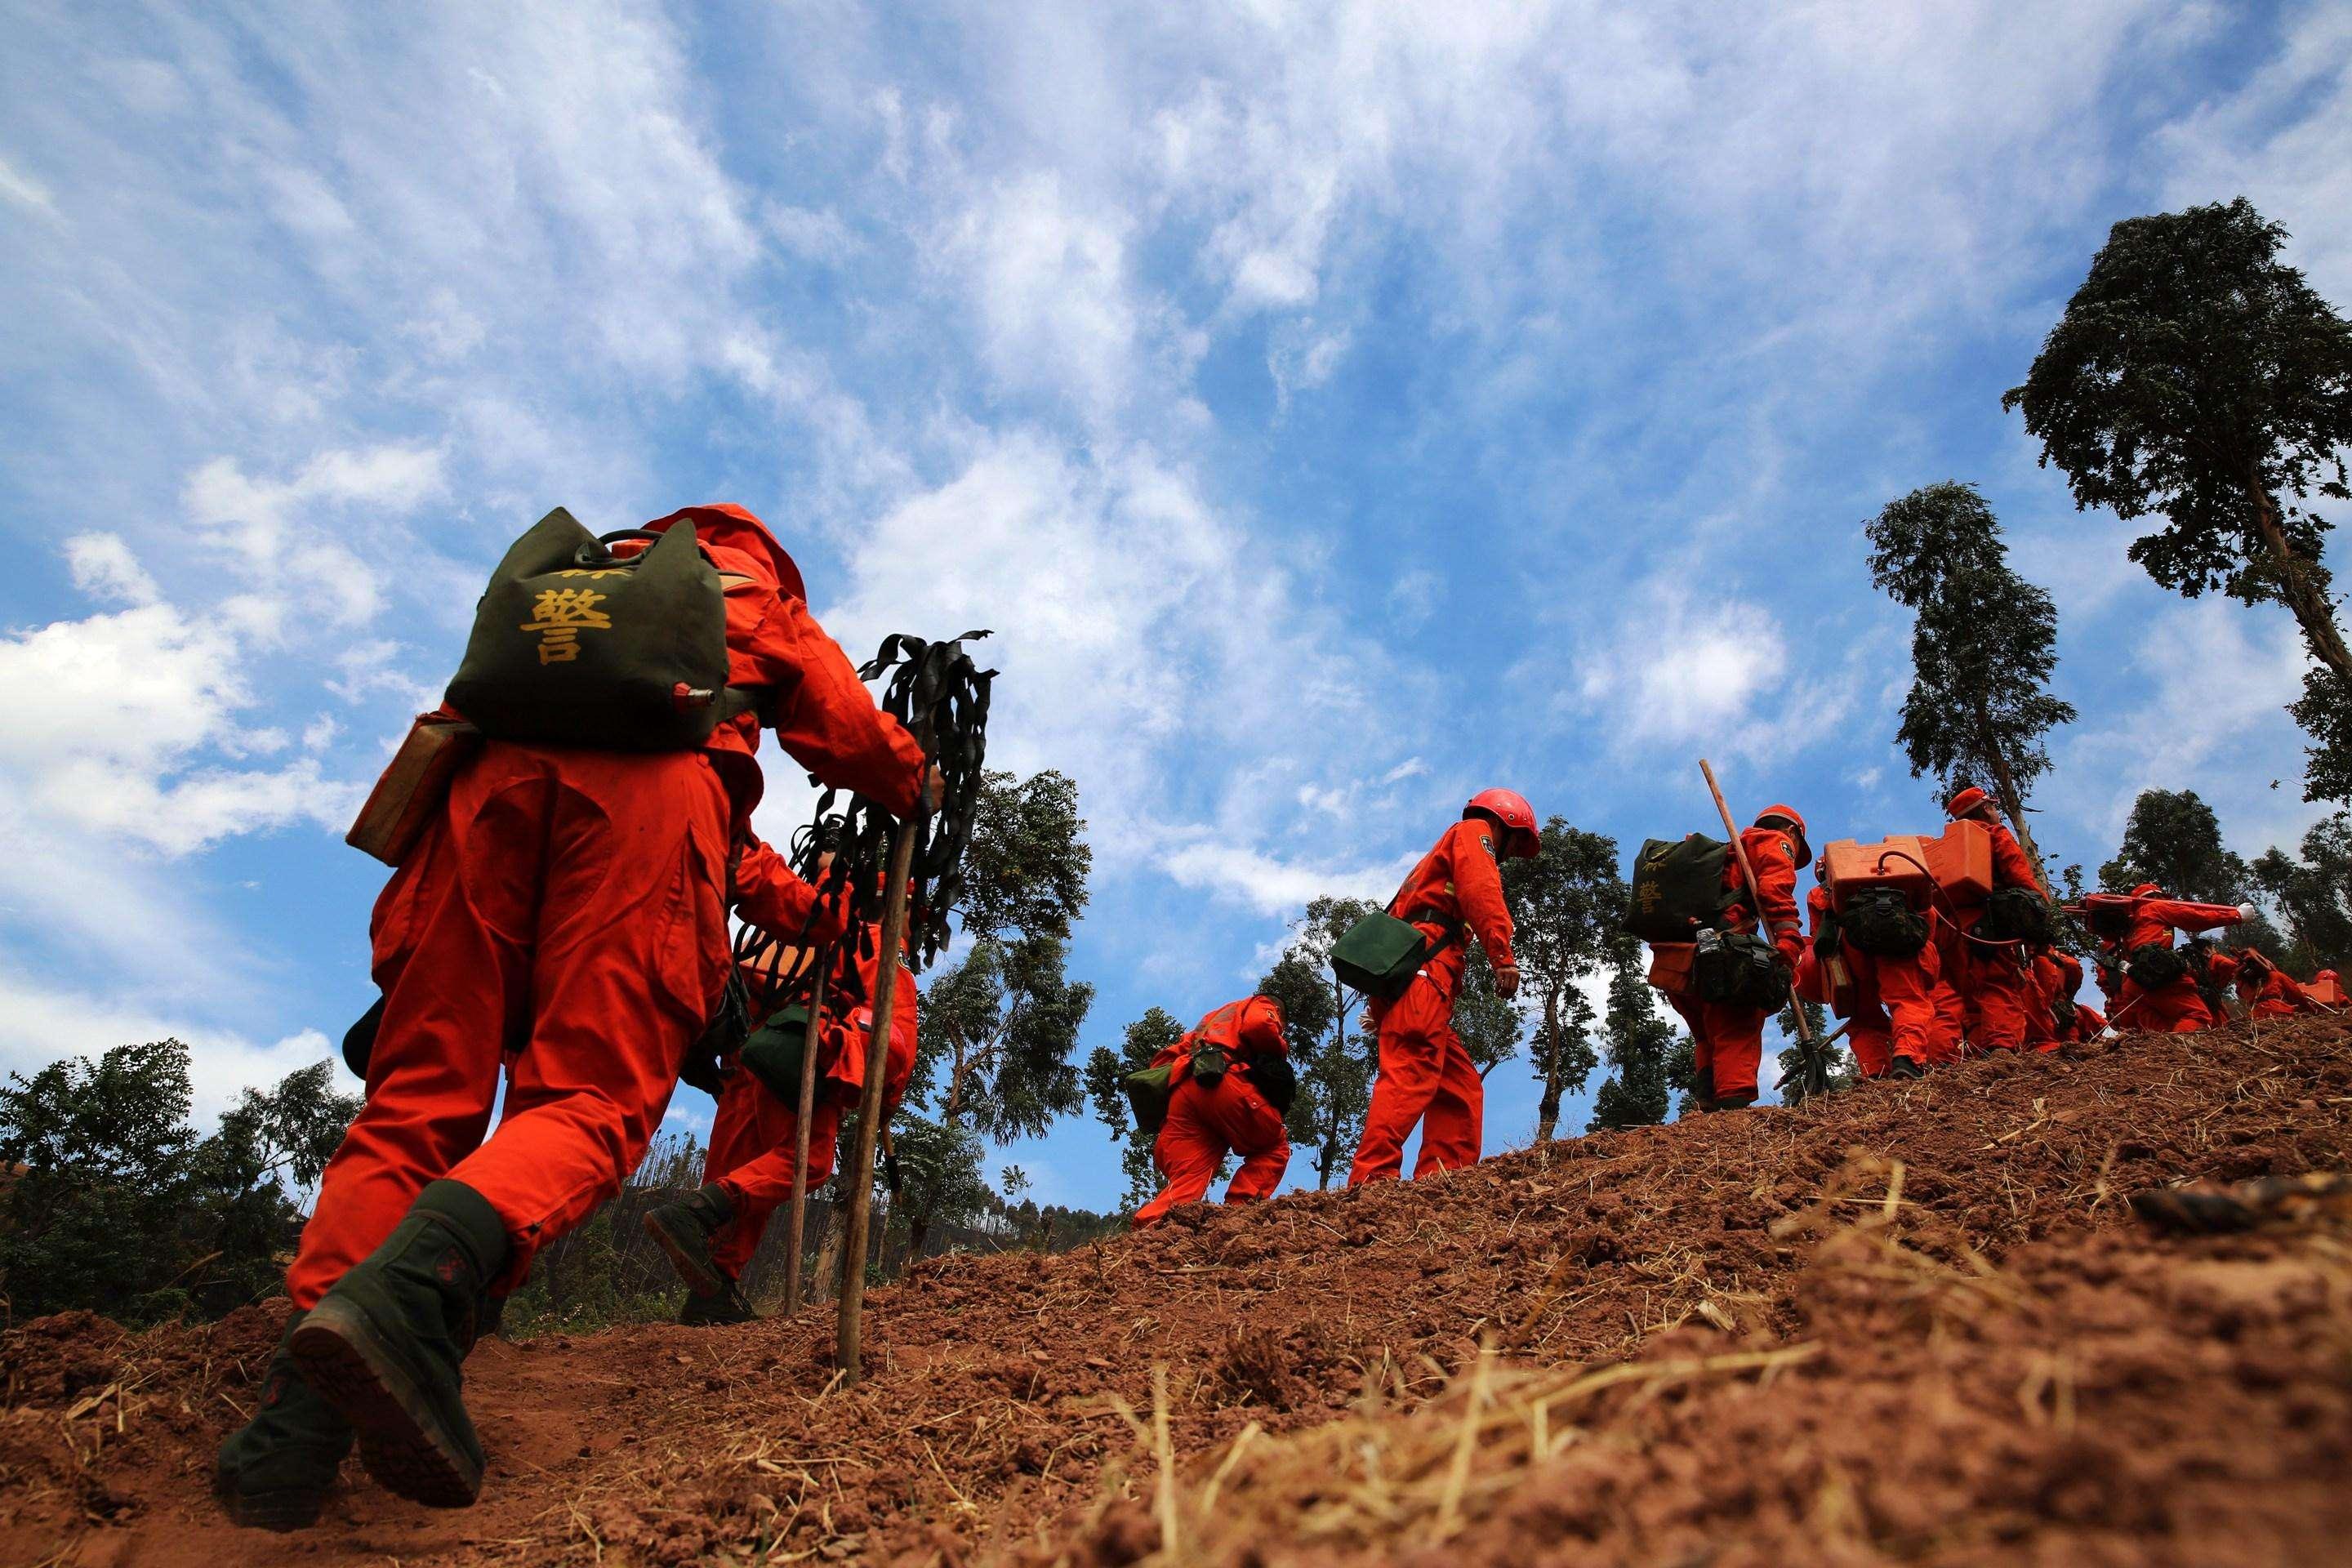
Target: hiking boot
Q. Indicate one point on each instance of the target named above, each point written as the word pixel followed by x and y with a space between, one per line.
pixel 274 1471
pixel 1907 1066
pixel 716 1307
pixel 683 1230
pixel 384 1346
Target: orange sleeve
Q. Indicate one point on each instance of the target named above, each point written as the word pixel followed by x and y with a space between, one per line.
pixel 2011 868
pixel 2182 915
pixel 824 717
pixel 770 895
pixel 1478 888
pixel 1776 889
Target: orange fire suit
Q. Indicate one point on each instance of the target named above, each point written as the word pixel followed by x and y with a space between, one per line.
pixel 752 1135
pixel 2175 1008
pixel 573 899
pixel 1727 1040
pixel 1894 1000
pixel 1424 1071
pixel 2269 994
pixel 1206 1124
pixel 1994 980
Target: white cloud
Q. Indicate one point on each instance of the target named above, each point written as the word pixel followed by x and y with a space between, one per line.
pixel 104 568
pixel 41 1023
pixel 1050 281
pixel 287 535
pixel 2285 142
pixel 1268 886
pixel 25 190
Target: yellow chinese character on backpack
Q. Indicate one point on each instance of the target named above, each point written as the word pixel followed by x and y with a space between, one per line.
pixel 559 615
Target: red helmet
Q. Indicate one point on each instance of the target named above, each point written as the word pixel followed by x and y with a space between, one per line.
pixel 1787 814
pixel 726 526
pixel 1967 803
pixel 1510 808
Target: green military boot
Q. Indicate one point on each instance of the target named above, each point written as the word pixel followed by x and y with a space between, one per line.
pixel 683 1230
pixel 384 1346
pixel 274 1471
pixel 713 1308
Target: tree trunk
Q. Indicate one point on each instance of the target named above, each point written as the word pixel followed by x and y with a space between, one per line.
pixel 1547 1108
pixel 2012 802
pixel 825 1278
pixel 2306 598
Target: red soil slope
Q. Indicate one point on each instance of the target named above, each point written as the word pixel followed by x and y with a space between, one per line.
pixel 1918 1322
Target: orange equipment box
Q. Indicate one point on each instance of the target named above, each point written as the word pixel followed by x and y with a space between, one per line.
pixel 1670 966
pixel 2328 992
pixel 1899 861
pixel 1962 862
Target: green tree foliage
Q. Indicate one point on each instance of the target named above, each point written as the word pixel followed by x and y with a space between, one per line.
pixel 1842 1073
pixel 2197 377
pixel 2313 894
pixel 1335 1066
pixel 1566 903
pixel 940 1179
pixel 122 1207
pixel 1983 644
pixel 1000 1026
pixel 1490 1028
pixel 1106 1071
pixel 1639 1043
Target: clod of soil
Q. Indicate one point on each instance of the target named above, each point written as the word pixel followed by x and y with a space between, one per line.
pixel 1916 1322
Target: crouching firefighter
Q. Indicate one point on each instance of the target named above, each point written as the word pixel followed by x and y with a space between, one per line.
pixel 2159 990
pixel 565 886
pixel 1223 1088
pixel 1426 1075
pixel 710 1235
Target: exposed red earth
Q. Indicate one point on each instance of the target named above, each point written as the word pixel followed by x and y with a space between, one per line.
pixel 1916 1322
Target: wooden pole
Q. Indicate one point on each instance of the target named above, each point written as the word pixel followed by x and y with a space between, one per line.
pixel 1806 1047
pixel 799 1224
pixel 860 1170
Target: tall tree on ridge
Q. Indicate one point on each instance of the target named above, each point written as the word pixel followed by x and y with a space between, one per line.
pixel 1565 906
pixel 2197 376
pixel 1983 644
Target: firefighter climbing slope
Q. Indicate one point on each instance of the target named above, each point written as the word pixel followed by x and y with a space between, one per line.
pixel 567 893
pixel 1409 961
pixel 1223 1089
pixel 711 1234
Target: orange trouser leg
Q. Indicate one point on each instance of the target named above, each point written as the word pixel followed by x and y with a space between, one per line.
pixel 1188 1151
pixel 1997 986
pixel 751 1159
pixel 1726 1046
pixel 573 899
pixel 1906 990
pixel 1422 1061
pixel 2174 1009
pixel 1253 1128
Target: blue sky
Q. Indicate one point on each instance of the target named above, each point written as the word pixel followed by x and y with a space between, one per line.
pixel 1336 409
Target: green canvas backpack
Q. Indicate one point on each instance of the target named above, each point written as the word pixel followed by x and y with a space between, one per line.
pixel 2018 914
pixel 2154 965
pixel 1379 955
pixel 1881 922
pixel 1678 887
pixel 574 646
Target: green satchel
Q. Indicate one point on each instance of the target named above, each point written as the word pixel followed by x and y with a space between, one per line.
pixel 774 1052
pixel 1148 1094
pixel 1379 955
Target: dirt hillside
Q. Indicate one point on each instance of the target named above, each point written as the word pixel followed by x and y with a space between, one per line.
pixel 1918 1322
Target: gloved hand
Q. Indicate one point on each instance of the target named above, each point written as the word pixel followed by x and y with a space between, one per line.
pixel 2245 911
pixel 1506 980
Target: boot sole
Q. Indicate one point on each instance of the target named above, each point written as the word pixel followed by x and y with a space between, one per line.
pixel 282 1511
pixel 699 1273
pixel 402 1442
